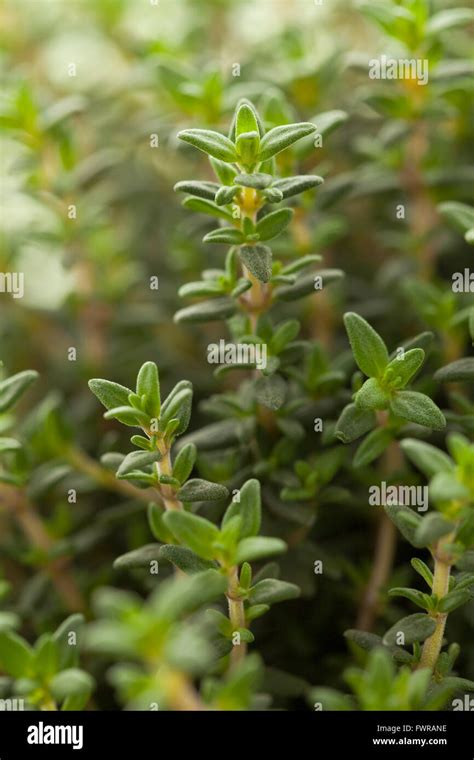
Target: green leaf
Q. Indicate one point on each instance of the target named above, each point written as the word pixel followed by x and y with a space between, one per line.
pixel 458 371
pixel 132 466
pixel 148 385
pixel 228 235
pixel 111 395
pixel 202 490
pixel 372 447
pixel 423 570
pixel 248 507
pixel 246 147
pixel 305 285
pixel 284 334
pixel 256 180
pixel 67 637
pixel 195 532
pixel 271 391
pixel 417 627
pixel 179 408
pixel 419 408
pixel 460 215
pixel 16 656
pixel 245 120
pixel 257 547
pixel 9 444
pixel 184 462
pixel 279 138
pixel 212 143
pixel 372 395
pixel 270 591
pixel 455 599
pixel 417 597
pixel 432 527
pixel 138 557
pixel 447 19
pixel 201 288
pixel 185 559
pixel 258 260
pixel 426 457
pixel 224 172
pixel 181 596
pixel 294 185
pixel 225 195
pixel 71 682
pixel 400 371
pixel 353 423
pixel 13 387
pixel 205 190
pixel 406 520
pixel 273 224
pixel 370 352
pixel 202 206
pixel 128 415
pixel 157 526
pixel 207 311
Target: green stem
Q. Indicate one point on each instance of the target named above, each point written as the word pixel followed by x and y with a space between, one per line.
pixel 432 646
pixel 236 614
pixel 164 467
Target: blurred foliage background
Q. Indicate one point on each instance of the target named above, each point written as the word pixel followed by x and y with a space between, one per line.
pixel 87 85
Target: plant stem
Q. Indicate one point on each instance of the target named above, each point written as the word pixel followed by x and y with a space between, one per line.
pixel 82 462
pixel 442 569
pixel 180 692
pixel 385 546
pixel 164 468
pixel 236 614
pixel 385 543
pixel 34 529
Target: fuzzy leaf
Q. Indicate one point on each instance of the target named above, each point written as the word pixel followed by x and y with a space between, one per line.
pixel 270 591
pixel 370 352
pixel 353 423
pixel 196 532
pixel 148 385
pixel 426 457
pixel 400 371
pixel 294 185
pixel 458 371
pixel 372 447
pixel 207 311
pixel 432 527
pixel 419 408
pixel 185 559
pixel 202 490
pixel 248 508
pixel 205 190
pixel 184 462
pixel 212 143
pixel 279 138
pixel 257 547
pixel 110 394
pixel 417 627
pixel 258 260
pixel 273 224
pixel 14 387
